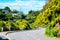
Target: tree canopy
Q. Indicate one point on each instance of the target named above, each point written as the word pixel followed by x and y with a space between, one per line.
pixel 16 20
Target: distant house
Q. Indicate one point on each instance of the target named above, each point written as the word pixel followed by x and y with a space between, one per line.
pixel 14 14
pixel 5 11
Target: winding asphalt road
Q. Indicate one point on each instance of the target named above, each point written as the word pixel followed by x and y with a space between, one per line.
pixel 30 35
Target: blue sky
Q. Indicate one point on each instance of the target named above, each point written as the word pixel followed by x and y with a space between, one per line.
pixel 23 5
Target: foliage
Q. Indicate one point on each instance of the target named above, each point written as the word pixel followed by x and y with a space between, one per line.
pixel 50 16
pixel 14 26
pixel 0 29
pixel 17 20
pixel 15 11
pixel 9 16
pixel 21 24
pixel 21 15
pixel 31 17
pixel 52 31
pixel 1 25
pixel 32 14
pixel 7 25
pixel 7 8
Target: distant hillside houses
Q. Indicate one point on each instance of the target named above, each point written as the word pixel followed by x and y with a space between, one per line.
pixel 11 14
pixel 14 14
pixel 5 11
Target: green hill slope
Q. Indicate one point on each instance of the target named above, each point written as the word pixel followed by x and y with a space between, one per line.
pixel 50 17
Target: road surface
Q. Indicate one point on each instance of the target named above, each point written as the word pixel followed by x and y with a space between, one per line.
pixel 30 35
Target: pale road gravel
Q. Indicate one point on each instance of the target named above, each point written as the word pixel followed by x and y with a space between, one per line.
pixel 27 35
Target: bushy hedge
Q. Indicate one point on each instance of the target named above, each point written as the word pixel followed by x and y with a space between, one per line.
pixel 21 24
pixel 0 29
pixel 18 25
pixel 1 25
pixel 52 31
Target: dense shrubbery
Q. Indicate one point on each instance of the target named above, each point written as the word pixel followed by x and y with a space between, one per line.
pixel 50 17
pixel 52 31
pixel 1 25
pixel 16 20
pixel 21 24
pixel 0 29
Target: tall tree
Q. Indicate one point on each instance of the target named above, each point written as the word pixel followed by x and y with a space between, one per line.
pixel 7 8
pixel 15 11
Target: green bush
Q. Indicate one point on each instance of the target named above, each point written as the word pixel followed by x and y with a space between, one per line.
pixel 14 26
pixel 7 25
pixel 21 24
pixel 32 26
pixel 52 31
pixel 0 29
pixel 1 25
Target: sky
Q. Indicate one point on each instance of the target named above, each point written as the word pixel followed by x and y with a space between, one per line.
pixel 23 5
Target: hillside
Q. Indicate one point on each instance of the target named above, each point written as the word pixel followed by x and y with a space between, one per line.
pixel 50 18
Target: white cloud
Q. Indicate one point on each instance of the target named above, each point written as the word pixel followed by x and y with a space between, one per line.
pixel 20 3
pixel 24 5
